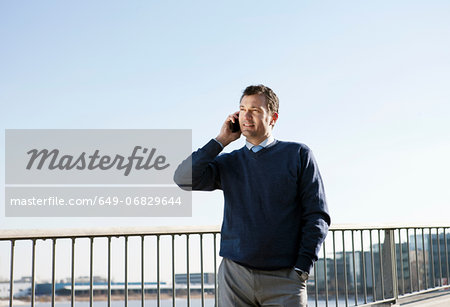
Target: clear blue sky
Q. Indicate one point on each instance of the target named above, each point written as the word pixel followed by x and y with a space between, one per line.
pixel 365 84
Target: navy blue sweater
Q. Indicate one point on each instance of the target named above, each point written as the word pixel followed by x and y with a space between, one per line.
pixel 275 213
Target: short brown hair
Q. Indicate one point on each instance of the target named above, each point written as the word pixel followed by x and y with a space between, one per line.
pixel 271 98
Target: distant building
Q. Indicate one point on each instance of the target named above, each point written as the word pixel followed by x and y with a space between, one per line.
pixel 195 278
pixel 425 268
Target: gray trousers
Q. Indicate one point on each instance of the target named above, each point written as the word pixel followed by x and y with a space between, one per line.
pixel 240 286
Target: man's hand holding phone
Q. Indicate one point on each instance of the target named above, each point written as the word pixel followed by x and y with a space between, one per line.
pixel 230 130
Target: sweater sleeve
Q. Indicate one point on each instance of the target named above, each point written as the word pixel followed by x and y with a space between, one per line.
pixel 315 218
pixel 200 171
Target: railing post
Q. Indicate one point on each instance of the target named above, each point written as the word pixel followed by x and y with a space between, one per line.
pixel 53 270
pixel 390 265
pixel 91 272
pixel 142 271
pixel 126 271
pixel 158 279
pixel 11 278
pixel 72 275
pixel 109 271
pixel 33 273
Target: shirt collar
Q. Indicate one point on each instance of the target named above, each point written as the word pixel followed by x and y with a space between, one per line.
pixel 264 143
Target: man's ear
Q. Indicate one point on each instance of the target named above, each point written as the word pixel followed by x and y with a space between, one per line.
pixel 274 118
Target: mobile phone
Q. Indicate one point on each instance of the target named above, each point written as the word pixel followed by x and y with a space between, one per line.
pixel 235 126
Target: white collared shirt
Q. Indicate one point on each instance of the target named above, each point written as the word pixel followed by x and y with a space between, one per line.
pixel 264 143
pixel 249 145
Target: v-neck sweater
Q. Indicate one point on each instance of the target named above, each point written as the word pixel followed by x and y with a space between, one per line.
pixel 275 212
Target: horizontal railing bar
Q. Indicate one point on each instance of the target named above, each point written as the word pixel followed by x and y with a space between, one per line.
pixel 405 296
pixel 379 303
pixel 446 287
pixel 387 226
pixel 22 234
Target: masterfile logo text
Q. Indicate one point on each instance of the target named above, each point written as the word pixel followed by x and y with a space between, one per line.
pixel 83 161
pixel 112 172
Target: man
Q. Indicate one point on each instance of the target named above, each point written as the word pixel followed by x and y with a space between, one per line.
pixel 275 213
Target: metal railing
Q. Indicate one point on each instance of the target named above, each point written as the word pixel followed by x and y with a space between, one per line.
pixel 381 264
pixel 357 265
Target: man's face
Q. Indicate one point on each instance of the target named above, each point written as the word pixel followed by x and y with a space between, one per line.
pixel 255 119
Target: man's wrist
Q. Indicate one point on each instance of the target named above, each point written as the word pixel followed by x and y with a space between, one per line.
pixel 215 139
pixel 302 274
pixel 222 141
